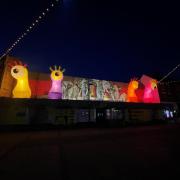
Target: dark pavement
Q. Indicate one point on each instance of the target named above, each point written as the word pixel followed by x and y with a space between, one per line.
pixel 119 153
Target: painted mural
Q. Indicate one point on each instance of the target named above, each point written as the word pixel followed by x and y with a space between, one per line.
pixel 75 89
pixel 107 90
pixel 93 89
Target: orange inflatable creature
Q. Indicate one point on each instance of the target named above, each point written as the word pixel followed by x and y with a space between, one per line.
pixel 132 87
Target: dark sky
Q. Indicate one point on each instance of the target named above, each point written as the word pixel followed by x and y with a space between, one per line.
pixel 112 40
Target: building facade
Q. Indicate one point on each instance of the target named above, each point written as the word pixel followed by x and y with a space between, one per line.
pixel 74 88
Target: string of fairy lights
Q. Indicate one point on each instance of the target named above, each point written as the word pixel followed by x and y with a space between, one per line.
pixel 34 24
pixel 168 74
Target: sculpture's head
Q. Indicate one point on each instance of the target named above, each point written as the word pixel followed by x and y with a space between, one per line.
pixel 133 83
pixel 153 84
pixel 19 70
pixel 56 73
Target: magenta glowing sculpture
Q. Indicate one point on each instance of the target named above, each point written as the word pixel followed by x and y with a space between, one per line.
pixel 56 77
pixel 151 93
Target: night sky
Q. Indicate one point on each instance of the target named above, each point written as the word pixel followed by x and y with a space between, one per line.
pixel 112 40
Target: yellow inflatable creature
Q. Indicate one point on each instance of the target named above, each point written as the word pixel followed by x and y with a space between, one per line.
pixel 20 73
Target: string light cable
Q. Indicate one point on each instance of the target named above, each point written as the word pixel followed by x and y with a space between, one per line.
pixel 32 26
pixel 168 74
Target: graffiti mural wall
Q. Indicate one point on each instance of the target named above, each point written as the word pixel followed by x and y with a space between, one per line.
pixel 107 90
pixel 75 88
pixel 93 89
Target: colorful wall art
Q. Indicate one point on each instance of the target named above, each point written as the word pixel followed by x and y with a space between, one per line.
pixel 75 88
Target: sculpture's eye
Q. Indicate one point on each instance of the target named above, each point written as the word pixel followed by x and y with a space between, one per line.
pixel 56 74
pixel 15 71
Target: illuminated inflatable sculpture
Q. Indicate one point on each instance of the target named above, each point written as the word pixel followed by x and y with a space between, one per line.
pixel 56 78
pixel 149 92
pixel 131 94
pixel 20 73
